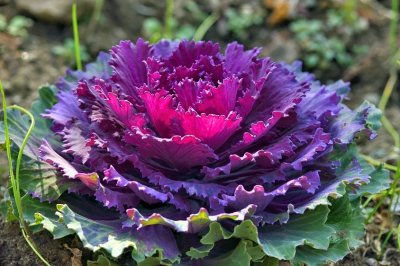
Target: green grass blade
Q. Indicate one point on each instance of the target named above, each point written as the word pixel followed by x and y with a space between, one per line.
pixel 393 27
pixel 14 177
pixel 76 38
pixel 169 12
pixel 205 26
pixel 24 142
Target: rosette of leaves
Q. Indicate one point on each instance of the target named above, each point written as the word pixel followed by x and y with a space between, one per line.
pixel 178 153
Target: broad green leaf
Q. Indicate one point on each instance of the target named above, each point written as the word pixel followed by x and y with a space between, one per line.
pixel 37 178
pixel 316 257
pixel 101 261
pixel 42 215
pixel 108 235
pixel 349 176
pixel 237 257
pixel 346 218
pixel 32 206
pixel 56 227
pixel 152 261
pixel 41 180
pixel 45 101
pixel 245 230
pixel 379 180
pixel 95 234
pixel 18 123
pixel 47 98
pixel 280 240
pixel 379 177
pixel 374 116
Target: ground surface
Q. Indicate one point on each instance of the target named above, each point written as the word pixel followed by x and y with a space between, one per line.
pixel 28 63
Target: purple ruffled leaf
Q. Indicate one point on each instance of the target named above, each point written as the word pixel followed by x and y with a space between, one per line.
pixel 145 193
pixel 237 60
pixel 129 68
pixel 115 198
pixel 349 123
pixel 191 187
pixel 189 51
pixel 172 150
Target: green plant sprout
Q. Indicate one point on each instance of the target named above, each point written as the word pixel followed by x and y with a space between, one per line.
pixel 66 52
pixel 76 37
pixel 17 26
pixel 320 46
pixel 155 30
pixel 96 17
pixel 240 21
pixel 14 176
pixel 169 11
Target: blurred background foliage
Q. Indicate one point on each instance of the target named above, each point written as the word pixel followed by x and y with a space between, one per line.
pixel 324 34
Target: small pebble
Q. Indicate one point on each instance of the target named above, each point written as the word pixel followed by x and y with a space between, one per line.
pixel 371 262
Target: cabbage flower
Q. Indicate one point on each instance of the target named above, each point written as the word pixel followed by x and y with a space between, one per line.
pixel 189 155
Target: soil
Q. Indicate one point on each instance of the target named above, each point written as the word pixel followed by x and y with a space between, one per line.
pixel 15 252
pixel 27 63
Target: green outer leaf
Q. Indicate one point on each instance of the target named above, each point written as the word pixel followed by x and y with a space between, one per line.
pixel 315 237
pixel 36 177
pixel 314 257
pixel 55 227
pixel 337 216
pixel 40 180
pixel 280 241
pixel 101 261
pixel 245 230
pixel 18 123
pixel 374 116
pixel 94 234
pixel 347 220
pixel 45 101
pixel 237 257
pixel 34 205
pixel 379 180
pixel 107 235
pixel 152 261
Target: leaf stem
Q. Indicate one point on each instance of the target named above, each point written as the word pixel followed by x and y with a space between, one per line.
pixel 375 162
pixel 387 91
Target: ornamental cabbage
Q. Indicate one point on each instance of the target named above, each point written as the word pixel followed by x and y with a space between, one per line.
pixel 198 156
